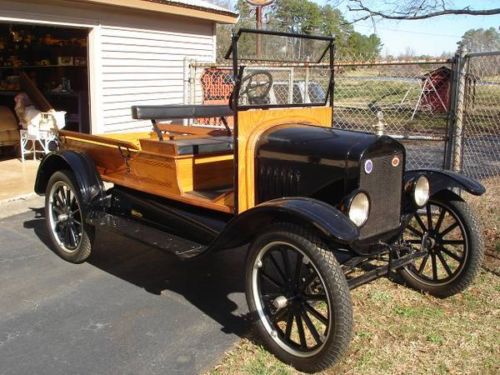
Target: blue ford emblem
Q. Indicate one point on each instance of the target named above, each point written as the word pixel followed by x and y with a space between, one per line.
pixel 368 166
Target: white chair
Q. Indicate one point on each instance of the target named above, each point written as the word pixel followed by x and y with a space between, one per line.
pixel 31 138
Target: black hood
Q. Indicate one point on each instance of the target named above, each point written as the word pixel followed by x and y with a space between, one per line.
pixel 305 160
pixel 322 144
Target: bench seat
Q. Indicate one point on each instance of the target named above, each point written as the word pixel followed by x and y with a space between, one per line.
pixel 203 146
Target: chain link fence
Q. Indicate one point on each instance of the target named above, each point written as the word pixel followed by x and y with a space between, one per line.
pixel 412 101
pixel 481 119
pixel 408 100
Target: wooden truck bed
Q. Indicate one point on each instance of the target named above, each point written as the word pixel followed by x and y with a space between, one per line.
pixel 191 165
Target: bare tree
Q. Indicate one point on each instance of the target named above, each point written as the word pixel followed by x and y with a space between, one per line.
pixel 412 9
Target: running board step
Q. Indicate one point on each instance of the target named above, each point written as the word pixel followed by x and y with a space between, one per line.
pixel 384 270
pixel 179 246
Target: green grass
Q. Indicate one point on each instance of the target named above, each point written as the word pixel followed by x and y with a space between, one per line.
pixel 400 331
pixel 411 333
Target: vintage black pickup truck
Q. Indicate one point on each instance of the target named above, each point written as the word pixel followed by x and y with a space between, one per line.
pixel 323 210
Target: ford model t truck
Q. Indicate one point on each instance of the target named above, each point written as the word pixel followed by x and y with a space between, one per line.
pixel 323 210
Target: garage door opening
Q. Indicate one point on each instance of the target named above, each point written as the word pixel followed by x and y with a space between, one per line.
pixel 56 60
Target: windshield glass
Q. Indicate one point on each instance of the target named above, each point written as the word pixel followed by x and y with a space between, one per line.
pixel 255 45
pixel 277 69
pixel 284 85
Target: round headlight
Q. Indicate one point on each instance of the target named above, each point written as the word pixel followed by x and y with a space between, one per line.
pixel 421 191
pixel 359 209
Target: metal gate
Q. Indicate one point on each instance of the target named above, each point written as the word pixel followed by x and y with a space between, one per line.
pixel 479 154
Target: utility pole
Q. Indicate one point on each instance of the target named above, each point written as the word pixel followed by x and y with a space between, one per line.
pixel 259 5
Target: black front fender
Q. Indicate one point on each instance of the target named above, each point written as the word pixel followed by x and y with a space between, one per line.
pixel 446 180
pixel 83 168
pixel 331 224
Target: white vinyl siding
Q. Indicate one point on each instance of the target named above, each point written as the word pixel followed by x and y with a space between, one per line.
pixel 142 67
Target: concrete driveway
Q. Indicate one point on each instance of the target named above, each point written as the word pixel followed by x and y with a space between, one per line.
pixel 129 310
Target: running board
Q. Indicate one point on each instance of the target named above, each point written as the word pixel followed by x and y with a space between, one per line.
pixel 178 246
pixel 384 270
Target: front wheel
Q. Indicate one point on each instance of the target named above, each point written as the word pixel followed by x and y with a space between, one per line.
pixel 450 232
pixel 71 237
pixel 299 296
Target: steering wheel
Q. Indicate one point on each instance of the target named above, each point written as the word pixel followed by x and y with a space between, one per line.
pixel 256 86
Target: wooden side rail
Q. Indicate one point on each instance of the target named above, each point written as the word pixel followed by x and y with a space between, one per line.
pixel 98 139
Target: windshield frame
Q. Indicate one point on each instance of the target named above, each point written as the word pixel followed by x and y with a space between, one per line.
pixel 239 69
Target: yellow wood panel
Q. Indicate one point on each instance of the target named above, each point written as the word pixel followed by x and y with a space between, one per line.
pixel 107 158
pixel 251 124
pixel 204 173
pixel 133 138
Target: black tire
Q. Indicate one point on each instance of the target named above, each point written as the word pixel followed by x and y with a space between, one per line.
pixel 458 263
pixel 320 286
pixel 71 237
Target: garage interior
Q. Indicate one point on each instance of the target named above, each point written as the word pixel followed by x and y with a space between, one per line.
pixel 56 60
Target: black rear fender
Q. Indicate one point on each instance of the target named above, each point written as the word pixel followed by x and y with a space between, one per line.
pixel 331 224
pixel 83 167
pixel 446 180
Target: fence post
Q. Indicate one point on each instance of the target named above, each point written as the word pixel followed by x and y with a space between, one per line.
pixel 457 125
pixel 192 81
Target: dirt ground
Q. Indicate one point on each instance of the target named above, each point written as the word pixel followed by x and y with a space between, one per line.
pixel 399 331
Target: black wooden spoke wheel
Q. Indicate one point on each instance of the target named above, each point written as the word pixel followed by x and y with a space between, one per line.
pixel 448 230
pixel 71 237
pixel 299 297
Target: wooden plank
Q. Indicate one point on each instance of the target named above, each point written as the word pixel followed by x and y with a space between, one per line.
pixel 103 140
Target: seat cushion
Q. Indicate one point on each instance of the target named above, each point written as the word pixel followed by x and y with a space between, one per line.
pixel 202 146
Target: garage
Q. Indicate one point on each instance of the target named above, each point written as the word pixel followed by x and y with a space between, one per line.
pixel 94 59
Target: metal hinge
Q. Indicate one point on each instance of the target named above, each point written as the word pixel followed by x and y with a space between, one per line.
pixel 125 153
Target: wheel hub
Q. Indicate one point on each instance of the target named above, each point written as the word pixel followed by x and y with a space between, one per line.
pixel 280 302
pixel 63 217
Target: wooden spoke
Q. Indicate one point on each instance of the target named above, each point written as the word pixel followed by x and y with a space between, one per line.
pixel 300 328
pixel 316 313
pixel 449 229
pixel 443 262
pixel 315 297
pixel 278 268
pixel 298 269
pixel 422 265
pixel 271 280
pixel 311 327
pixel 440 219
pixel 420 222
pixel 286 262
pixel 289 324
pixel 280 315
pixel 73 234
pixel 58 199
pixel 450 254
pixel 453 242
pixel 429 216
pixel 414 231
pixel 434 267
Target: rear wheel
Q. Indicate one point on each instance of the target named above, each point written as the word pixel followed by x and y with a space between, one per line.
pixel 299 296
pixel 449 231
pixel 71 237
